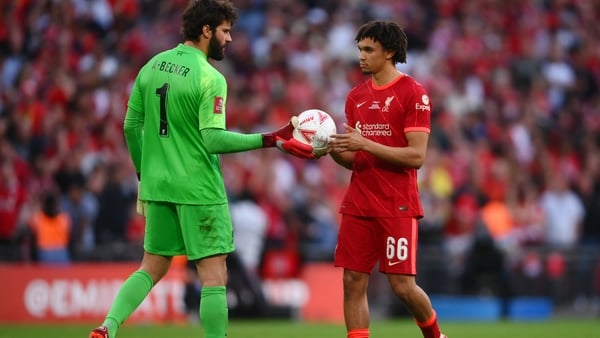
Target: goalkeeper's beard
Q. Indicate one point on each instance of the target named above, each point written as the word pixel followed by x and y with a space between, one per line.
pixel 215 50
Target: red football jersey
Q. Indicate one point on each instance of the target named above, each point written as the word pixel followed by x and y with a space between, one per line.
pixel 384 114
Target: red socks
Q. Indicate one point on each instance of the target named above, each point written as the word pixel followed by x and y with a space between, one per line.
pixel 430 327
pixel 358 333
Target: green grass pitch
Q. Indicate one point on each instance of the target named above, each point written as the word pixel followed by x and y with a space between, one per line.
pixel 563 328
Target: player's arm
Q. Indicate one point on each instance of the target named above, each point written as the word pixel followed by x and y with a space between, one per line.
pixel 342 155
pixel 411 156
pixel 133 127
pixel 220 141
pixel 133 130
pixel 345 159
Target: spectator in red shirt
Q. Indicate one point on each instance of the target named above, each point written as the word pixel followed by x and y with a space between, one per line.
pixel 12 197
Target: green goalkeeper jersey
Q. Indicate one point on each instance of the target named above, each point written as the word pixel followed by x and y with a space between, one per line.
pixel 176 95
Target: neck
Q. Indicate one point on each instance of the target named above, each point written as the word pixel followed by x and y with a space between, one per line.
pixel 198 45
pixel 386 76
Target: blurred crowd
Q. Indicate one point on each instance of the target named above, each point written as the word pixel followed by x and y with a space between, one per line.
pixel 514 156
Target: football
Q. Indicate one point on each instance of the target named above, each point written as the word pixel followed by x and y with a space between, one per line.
pixel 314 128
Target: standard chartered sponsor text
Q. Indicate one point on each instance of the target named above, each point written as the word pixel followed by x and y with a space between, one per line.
pixel 376 129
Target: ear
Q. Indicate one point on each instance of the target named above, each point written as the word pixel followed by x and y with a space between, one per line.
pixel 206 32
pixel 389 55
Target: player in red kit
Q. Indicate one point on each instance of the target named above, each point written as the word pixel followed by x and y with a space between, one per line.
pixel 387 130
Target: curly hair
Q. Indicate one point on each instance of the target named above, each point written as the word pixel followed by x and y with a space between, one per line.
pixel 391 37
pixel 206 12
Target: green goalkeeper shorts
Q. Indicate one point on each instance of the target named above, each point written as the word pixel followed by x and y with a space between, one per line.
pixel 197 231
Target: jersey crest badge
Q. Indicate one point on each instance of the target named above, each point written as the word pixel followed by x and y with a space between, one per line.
pixel 218 105
pixel 388 101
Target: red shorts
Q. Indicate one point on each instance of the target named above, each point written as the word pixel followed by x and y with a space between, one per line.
pixel 364 241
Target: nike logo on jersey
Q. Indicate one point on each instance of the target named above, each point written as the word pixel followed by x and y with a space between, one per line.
pixel 360 104
pixel 390 263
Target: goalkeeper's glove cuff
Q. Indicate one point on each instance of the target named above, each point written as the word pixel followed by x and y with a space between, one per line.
pixel 269 140
pixel 285 133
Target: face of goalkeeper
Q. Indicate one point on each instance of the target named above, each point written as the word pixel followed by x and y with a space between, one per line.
pixel 221 36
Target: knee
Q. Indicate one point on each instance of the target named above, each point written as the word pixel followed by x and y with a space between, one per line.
pixel 155 266
pixel 155 273
pixel 212 271
pixel 355 282
pixel 403 287
pixel 213 278
pixel 401 291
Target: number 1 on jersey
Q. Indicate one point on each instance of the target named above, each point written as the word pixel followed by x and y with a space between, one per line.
pixel 163 128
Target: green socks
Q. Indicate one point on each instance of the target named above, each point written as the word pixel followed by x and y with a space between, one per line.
pixel 214 314
pixel 213 311
pixel 131 294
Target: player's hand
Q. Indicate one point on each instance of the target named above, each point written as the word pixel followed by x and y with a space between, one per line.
pixel 352 140
pixel 140 206
pixel 284 134
pixel 296 148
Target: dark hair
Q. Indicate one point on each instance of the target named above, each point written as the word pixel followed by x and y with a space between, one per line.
pixel 391 37
pixel 50 203
pixel 206 12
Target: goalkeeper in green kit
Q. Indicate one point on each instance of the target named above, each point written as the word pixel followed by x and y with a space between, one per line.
pixel 175 131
